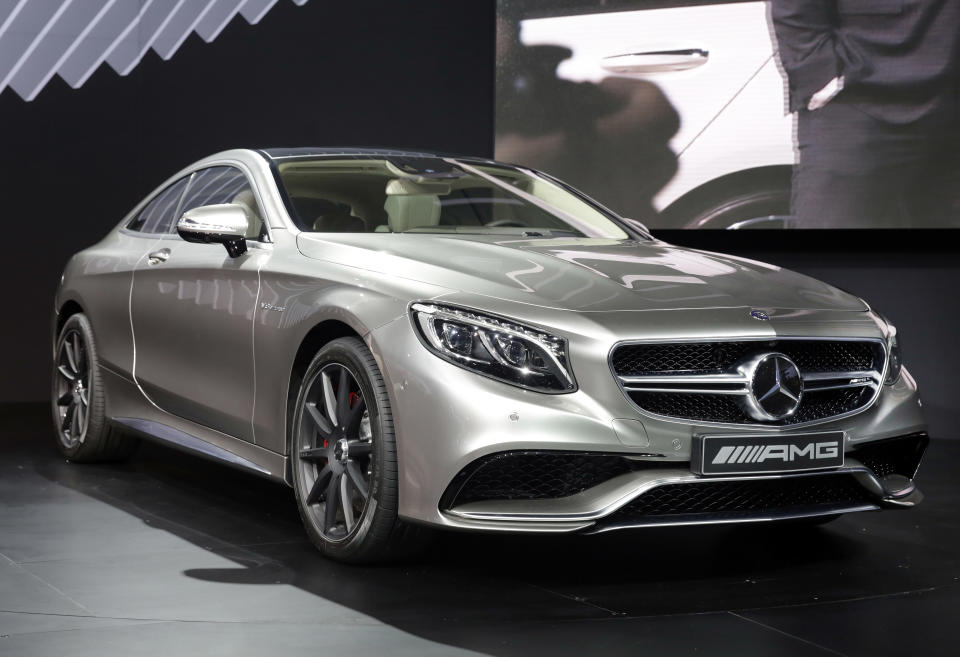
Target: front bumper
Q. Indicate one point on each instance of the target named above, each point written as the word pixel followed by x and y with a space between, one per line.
pixel 878 475
pixel 448 419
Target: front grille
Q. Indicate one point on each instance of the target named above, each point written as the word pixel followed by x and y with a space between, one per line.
pixel 694 380
pixel 721 357
pixel 729 499
pixel 537 475
pixel 692 406
pixel 817 405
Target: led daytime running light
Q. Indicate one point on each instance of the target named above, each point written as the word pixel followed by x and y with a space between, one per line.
pixel 495 347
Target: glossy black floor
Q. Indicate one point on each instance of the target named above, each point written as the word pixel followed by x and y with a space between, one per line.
pixel 169 555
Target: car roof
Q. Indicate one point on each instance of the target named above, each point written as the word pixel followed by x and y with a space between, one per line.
pixel 309 151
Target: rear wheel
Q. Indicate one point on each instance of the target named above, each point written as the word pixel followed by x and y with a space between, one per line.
pixel 344 458
pixel 79 399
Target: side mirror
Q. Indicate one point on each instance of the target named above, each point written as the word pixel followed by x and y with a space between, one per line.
pixel 225 224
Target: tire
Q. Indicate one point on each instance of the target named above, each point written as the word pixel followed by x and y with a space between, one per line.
pixel 343 449
pixel 746 210
pixel 79 399
pixel 733 200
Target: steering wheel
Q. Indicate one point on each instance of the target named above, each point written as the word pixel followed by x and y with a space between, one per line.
pixel 504 222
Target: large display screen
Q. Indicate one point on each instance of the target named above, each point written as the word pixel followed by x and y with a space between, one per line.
pixel 778 114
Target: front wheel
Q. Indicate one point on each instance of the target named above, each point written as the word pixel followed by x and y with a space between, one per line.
pixel 344 458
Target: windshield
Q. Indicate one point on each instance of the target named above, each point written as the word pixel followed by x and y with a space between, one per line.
pixel 432 195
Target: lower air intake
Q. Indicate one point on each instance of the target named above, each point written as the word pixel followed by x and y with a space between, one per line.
pixel 705 500
pixel 525 475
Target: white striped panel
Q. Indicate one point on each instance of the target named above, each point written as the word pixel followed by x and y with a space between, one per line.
pixel 120 20
pixel 220 14
pixel 254 10
pixel 57 45
pixel 180 27
pixel 72 38
pixel 131 50
pixel 24 24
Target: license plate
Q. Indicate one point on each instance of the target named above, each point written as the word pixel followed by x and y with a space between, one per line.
pixel 753 454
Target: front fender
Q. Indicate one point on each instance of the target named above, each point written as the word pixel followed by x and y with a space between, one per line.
pixel 290 306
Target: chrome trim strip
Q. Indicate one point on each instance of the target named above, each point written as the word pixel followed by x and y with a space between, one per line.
pixel 683 391
pixel 625 389
pixel 636 383
pixel 699 379
pixel 829 511
pixel 826 376
pixel 841 387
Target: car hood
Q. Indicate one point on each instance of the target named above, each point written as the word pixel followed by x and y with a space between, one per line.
pixel 580 274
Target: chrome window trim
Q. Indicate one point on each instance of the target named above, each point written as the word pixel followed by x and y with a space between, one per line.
pixel 624 389
pixel 123 230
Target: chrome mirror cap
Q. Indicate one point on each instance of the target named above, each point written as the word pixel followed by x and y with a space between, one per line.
pixel 225 224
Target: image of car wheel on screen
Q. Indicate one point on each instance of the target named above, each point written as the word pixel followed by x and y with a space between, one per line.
pixel 876 88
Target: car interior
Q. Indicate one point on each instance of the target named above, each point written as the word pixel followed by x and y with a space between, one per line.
pixel 374 196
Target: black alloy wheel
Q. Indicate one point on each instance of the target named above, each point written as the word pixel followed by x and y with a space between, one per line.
pixel 336 451
pixel 344 458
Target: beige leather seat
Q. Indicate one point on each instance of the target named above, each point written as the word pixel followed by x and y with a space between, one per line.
pixel 248 201
pixel 409 211
pixel 335 217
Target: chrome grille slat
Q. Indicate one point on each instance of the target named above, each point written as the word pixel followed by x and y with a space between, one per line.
pixel 706 386
pixel 689 391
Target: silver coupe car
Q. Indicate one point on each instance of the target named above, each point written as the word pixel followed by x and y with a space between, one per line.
pixel 415 341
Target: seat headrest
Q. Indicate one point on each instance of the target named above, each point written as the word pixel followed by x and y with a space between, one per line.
pixel 409 211
pixel 332 217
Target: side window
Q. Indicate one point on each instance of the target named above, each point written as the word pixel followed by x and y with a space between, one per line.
pixel 218 185
pixel 157 216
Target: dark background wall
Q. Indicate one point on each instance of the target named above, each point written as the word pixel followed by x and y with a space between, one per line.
pixel 415 74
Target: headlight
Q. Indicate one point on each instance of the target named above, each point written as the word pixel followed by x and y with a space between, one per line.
pixel 894 360
pixel 492 346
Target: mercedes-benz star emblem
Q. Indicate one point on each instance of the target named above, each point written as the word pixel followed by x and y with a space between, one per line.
pixel 759 314
pixel 775 387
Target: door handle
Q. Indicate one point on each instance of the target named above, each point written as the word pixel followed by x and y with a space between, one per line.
pixel 158 257
pixel 655 61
